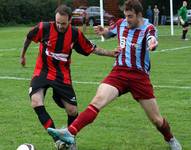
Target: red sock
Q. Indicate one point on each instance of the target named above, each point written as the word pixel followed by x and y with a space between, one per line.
pixel 86 117
pixel 165 130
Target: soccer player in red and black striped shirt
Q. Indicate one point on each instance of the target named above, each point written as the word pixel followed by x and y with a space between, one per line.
pixel 136 37
pixel 57 39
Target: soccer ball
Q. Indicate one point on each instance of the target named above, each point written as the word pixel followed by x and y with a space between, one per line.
pixel 26 146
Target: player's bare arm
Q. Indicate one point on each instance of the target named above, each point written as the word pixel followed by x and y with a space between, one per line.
pixel 99 30
pixel 23 51
pixel 181 20
pixel 103 52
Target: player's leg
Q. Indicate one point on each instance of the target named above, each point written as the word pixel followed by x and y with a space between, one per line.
pixel 151 109
pixel 142 90
pixel 37 92
pixel 37 102
pixel 71 111
pixel 65 97
pixel 185 30
pixel 105 94
pixel 38 105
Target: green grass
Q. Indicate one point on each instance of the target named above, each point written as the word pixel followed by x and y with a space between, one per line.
pixel 120 126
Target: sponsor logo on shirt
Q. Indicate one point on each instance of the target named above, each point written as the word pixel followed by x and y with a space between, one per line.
pixel 57 56
pixel 123 42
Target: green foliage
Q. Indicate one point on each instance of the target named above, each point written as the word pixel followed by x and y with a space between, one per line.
pixel 26 11
pixel 93 2
pixel 67 2
pixel 30 11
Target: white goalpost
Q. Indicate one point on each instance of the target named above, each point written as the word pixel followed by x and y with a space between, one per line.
pixel 171 17
pixel 101 17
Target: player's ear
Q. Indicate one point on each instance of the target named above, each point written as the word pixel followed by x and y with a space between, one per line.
pixel 139 15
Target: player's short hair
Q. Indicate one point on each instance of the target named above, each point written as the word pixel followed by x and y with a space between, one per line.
pixel 135 5
pixel 64 10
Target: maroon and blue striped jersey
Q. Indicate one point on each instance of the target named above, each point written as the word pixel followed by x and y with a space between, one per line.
pixel 133 44
pixel 55 50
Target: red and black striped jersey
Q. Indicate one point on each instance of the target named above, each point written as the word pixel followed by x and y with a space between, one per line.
pixel 55 50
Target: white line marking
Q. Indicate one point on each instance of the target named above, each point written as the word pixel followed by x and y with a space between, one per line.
pixel 157 51
pixel 13 78
pixel 172 87
pixel 14 49
pixel 172 49
pixel 97 83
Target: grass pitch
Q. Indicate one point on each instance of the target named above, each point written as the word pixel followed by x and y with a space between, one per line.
pixel 120 126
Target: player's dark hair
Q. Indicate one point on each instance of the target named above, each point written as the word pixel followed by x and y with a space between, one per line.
pixel 64 10
pixel 135 5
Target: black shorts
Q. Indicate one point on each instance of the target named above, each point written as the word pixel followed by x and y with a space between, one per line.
pixel 61 91
pixel 186 24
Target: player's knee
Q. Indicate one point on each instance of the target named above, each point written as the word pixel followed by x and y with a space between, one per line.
pixel 99 101
pixel 72 111
pixel 35 102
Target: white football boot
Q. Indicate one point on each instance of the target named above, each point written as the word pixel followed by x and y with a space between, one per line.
pixel 174 144
pixel 60 145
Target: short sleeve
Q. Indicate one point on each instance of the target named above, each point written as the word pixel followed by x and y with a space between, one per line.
pixel 151 32
pixel 83 45
pixel 35 34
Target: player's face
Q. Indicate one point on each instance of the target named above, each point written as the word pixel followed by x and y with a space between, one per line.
pixel 184 3
pixel 132 19
pixel 62 22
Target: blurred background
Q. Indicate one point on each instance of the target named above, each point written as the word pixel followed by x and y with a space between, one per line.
pixel 32 11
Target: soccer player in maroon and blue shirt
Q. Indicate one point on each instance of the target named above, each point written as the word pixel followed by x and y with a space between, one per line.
pixel 57 39
pixel 136 37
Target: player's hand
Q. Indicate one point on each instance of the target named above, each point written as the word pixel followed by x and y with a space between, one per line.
pixel 99 30
pixel 116 52
pixel 23 61
pixel 152 43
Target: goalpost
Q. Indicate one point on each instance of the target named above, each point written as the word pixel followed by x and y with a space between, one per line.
pixel 171 17
pixel 101 17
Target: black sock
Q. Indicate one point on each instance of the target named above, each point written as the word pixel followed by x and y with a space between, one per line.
pixel 71 119
pixel 44 118
pixel 184 34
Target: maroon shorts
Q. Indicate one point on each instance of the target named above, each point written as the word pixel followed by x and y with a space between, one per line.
pixel 131 80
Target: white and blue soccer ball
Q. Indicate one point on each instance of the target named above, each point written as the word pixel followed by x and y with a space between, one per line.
pixel 26 146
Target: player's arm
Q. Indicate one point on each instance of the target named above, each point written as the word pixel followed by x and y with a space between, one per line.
pixel 85 47
pixel 180 17
pixel 27 42
pixel 105 32
pixel 181 20
pixel 152 43
pixel 35 34
pixel 151 38
pixel 99 30
pixel 103 52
